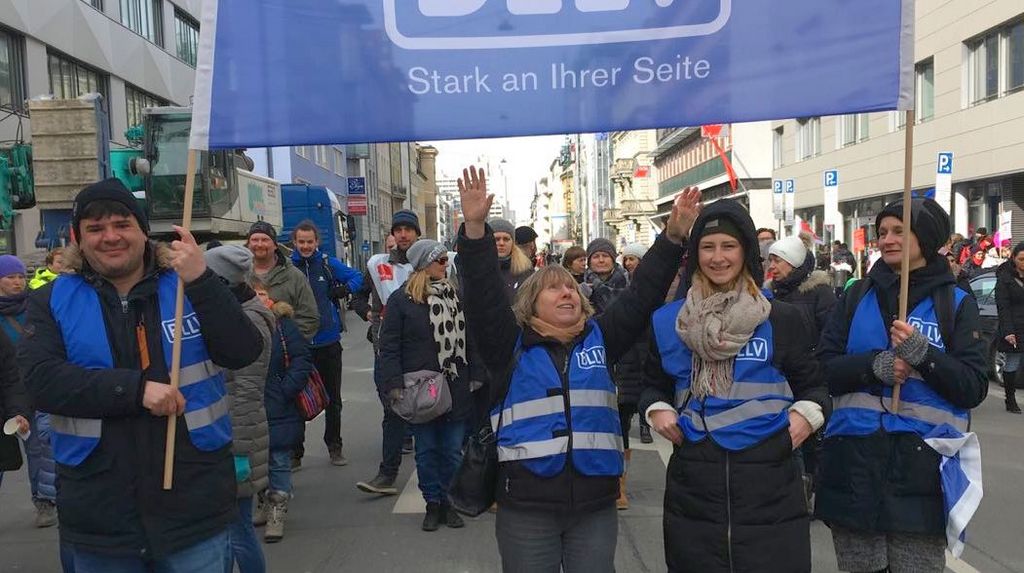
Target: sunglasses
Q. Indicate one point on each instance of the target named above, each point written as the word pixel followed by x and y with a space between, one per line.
pixel 442 260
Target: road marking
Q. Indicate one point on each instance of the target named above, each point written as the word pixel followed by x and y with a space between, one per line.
pixel 957 565
pixel 411 500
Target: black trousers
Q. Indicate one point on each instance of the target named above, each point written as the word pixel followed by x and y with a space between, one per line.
pixel 327 360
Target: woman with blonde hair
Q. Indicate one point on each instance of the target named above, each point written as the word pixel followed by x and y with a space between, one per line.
pixel 515 266
pixel 731 381
pixel 552 399
pixel 424 331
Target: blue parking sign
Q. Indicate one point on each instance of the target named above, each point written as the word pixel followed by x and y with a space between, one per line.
pixel 832 178
pixel 945 163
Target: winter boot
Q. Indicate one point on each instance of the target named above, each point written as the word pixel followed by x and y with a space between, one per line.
pixel 276 514
pixel 46 513
pixel 452 518
pixel 381 484
pixel 259 515
pixel 645 434
pixel 1011 383
pixel 623 501
pixel 337 458
pixel 432 521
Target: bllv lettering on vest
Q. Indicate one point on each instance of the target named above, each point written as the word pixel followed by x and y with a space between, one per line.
pixel 593 357
pixel 189 328
pixel 930 330
pixel 756 349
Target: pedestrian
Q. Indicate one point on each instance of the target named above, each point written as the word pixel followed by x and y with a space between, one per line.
pixel 14 403
pixel 730 383
pixel 629 379
pixel 765 238
pixel 291 363
pixel 514 264
pixel 556 494
pixel 101 371
pixel 54 267
pixel 879 486
pixel 285 282
pixel 385 274
pixel 425 332
pixel 526 239
pixel 604 277
pixel 331 281
pixel 1010 311
pixel 42 474
pixel 574 260
pixel 251 438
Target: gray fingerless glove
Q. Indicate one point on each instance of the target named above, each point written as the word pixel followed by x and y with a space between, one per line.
pixel 884 366
pixel 913 350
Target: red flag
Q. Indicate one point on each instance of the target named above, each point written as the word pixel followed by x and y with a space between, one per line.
pixel 805 226
pixel 714 132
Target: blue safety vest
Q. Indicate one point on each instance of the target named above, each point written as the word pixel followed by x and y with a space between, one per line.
pixel 757 406
pixel 76 306
pixel 540 425
pixel 921 408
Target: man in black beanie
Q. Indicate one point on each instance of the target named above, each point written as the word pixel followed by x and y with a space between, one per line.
pixel 96 356
pixel 526 239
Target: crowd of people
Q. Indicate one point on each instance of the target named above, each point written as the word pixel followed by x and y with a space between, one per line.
pixel 774 387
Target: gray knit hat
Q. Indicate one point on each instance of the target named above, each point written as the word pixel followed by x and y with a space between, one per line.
pixel 600 245
pixel 423 252
pixel 233 263
pixel 634 250
pixel 502 226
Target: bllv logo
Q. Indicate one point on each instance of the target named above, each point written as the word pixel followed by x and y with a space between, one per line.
pixel 189 328
pixel 592 357
pixel 755 349
pixel 930 330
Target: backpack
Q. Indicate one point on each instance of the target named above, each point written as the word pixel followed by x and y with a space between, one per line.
pixel 945 308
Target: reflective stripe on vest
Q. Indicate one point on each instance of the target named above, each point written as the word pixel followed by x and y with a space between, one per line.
pixel 535 425
pixel 921 407
pixel 76 307
pixel 387 276
pixel 758 401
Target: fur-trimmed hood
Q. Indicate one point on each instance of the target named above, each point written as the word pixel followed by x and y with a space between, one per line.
pixel 814 280
pixel 75 261
pixel 282 309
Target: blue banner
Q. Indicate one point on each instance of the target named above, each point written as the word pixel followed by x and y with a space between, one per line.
pixel 297 72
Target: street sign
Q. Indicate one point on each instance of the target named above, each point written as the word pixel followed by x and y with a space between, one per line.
pixel 790 201
pixel 365 247
pixel 778 206
pixel 832 197
pixel 944 180
pixel 357 204
pixel 357 185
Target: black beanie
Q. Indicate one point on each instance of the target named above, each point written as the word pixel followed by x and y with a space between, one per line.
pixel 525 235
pixel 108 190
pixel 407 218
pixel 600 245
pixel 730 217
pixel 264 228
pixel 928 221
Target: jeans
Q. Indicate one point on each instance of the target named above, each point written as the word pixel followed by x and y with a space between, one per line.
pixel 394 430
pixel 327 360
pixel 245 548
pixel 438 455
pixel 281 470
pixel 210 556
pixel 532 541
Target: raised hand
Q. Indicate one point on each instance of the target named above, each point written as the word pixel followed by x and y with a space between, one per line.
pixel 476 202
pixel 685 211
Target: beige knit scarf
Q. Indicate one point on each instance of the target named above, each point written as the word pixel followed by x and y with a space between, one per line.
pixel 716 328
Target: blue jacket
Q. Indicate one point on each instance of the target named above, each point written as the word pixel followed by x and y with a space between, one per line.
pixel 284 384
pixel 323 280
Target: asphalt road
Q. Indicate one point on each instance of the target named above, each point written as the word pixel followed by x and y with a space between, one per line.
pixel 334 527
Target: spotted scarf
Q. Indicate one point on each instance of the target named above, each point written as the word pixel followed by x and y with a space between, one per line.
pixel 449 327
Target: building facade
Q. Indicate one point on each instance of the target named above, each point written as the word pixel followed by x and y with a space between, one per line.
pixel 136 53
pixel 969 100
pixel 634 187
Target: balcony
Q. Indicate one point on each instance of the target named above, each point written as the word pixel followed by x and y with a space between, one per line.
pixel 637 208
pixel 399 192
pixel 612 215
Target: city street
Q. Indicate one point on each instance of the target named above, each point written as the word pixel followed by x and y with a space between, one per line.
pixel 334 527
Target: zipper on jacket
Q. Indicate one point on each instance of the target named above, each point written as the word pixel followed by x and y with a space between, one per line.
pixel 728 509
pixel 570 466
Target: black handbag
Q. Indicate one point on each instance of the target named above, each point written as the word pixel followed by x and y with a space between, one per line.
pixel 472 491
pixel 10 453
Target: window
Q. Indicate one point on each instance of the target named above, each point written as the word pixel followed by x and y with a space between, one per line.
pixel 339 162
pixel 136 100
pixel 777 147
pixel 995 63
pixel 302 151
pixel 145 18
pixel 808 138
pixel 924 86
pixel 97 4
pixel 12 67
pixel 186 37
pixel 71 78
pixel 320 155
pixel 852 128
pixel 1015 57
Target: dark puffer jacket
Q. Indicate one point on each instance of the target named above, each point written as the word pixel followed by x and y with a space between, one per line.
pixel 250 434
pixel 1010 306
pixel 285 383
pixel 890 482
pixel 812 294
pixel 13 399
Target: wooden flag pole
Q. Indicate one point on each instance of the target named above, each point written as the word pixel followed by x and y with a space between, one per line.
pixel 908 167
pixel 179 310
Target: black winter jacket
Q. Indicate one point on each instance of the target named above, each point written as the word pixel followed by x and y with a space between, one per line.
pixel 895 487
pixel 812 294
pixel 13 399
pixel 407 345
pixel 489 316
pixel 284 384
pixel 114 502
pixel 1010 306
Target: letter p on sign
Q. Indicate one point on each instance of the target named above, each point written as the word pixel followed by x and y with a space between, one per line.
pixel 946 163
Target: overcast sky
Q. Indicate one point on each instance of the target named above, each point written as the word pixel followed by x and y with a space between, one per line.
pixel 528 160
